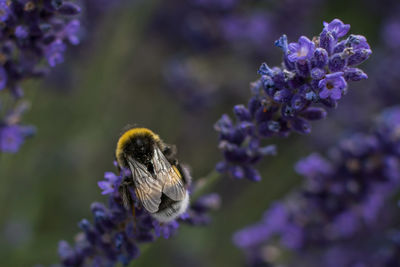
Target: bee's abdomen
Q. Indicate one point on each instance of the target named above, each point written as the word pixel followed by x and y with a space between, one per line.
pixel 166 203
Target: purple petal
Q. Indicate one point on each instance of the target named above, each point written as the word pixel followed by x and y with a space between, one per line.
pixel 336 93
pixel 325 93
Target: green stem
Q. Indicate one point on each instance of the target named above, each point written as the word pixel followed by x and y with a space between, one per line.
pixel 203 184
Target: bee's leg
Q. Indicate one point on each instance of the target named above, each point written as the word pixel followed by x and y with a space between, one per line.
pixel 127 199
pixel 185 172
pixel 170 152
pixel 126 195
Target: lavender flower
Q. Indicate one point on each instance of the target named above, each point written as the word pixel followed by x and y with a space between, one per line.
pixel 301 51
pixel 188 81
pixel 391 33
pixel 30 32
pixel 38 29
pixel 285 99
pixel 54 53
pixel 246 30
pixel 12 132
pixel 115 234
pixel 21 32
pixel 341 201
pixel 111 182
pixel 12 137
pixel 385 72
pixel 3 78
pixel 235 29
pixel 333 86
pixel 203 25
pixel 337 28
pixel 4 10
pixel 215 4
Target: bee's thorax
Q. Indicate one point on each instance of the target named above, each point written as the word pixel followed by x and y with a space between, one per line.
pixel 141 148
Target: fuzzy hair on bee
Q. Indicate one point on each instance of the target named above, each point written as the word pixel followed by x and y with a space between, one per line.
pixel 160 182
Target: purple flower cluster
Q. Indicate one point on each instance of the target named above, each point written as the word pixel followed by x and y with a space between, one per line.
pixel 115 233
pixel 342 200
pixel 314 73
pixel 214 4
pixel 386 71
pixel 391 28
pixel 234 29
pixel 205 25
pixel 194 24
pixel 186 81
pixel 94 10
pixel 31 31
pixel 376 251
pixel 247 30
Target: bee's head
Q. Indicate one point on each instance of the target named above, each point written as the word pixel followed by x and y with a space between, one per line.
pixel 138 143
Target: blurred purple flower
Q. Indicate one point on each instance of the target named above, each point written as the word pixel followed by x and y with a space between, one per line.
pixel 220 4
pixel 72 31
pixel 292 236
pixel 343 200
pixel 3 78
pixel 12 132
pixel 11 139
pixel 111 181
pixel 244 30
pixel 40 25
pixel 13 136
pixel 55 53
pixel 4 10
pixel 237 29
pixel 167 230
pixel 313 166
pixel 33 32
pixel 21 32
pixel 391 33
pixel 188 81
pixel 274 220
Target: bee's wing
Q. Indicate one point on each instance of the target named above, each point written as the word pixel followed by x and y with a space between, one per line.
pixel 168 176
pixel 147 189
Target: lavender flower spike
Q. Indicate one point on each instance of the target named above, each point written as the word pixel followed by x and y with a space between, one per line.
pixel 285 99
pixel 25 20
pixel 31 31
pixel 115 234
pixel 343 204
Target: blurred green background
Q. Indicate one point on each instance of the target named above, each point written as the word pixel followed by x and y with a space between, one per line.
pixel 48 186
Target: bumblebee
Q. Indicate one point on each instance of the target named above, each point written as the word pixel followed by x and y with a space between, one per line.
pixel 160 182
